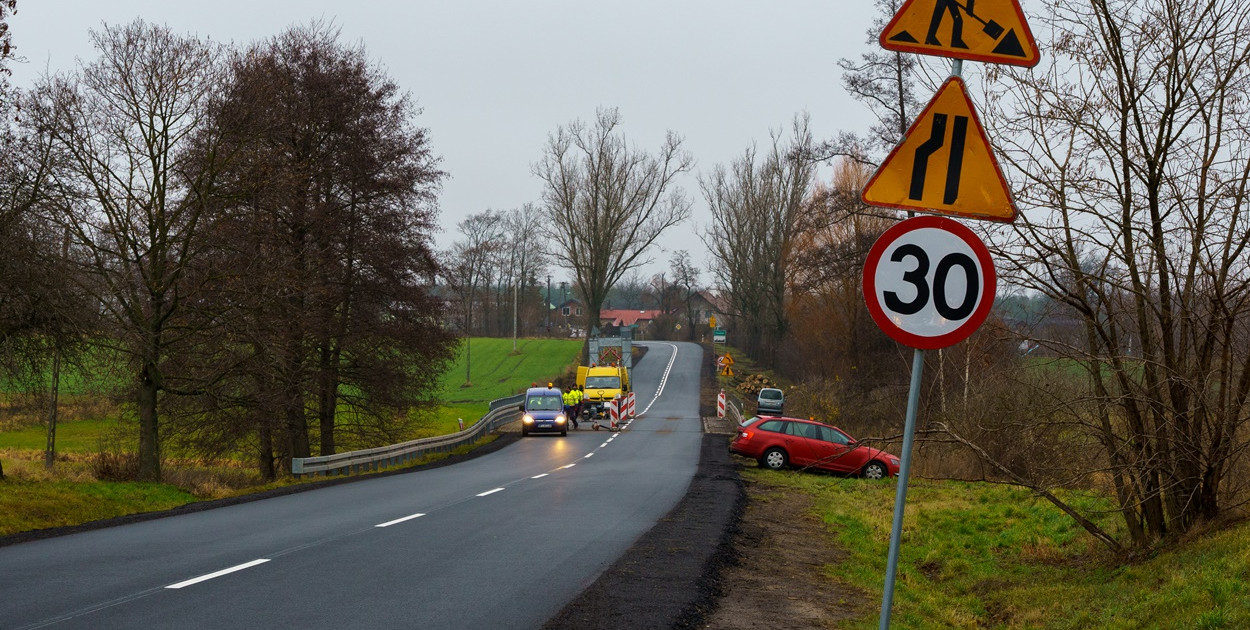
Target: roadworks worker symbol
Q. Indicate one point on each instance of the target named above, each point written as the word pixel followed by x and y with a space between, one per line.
pixel 944 164
pixel 997 31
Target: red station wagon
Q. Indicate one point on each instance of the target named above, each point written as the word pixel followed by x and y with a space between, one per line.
pixel 779 442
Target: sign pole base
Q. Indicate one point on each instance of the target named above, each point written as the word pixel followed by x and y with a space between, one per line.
pixel 900 495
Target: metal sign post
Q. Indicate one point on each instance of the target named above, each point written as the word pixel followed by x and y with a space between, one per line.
pixel 900 495
pixel 929 282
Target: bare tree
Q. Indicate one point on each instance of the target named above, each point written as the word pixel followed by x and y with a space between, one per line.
pixel 685 283
pixel 524 256
pixel 7 49
pixel 1133 155
pixel 608 202
pixel 133 204
pixel 468 267
pixel 756 209
pixel 838 340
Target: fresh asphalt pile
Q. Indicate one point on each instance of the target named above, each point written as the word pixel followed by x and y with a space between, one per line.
pixel 668 578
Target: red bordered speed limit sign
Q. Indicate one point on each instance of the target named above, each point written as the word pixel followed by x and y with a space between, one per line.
pixel 929 282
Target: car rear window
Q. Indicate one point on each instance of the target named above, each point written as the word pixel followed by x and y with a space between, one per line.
pixel 749 421
pixel 772 425
pixel 770 394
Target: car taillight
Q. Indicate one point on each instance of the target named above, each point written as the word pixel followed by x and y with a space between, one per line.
pixel 745 435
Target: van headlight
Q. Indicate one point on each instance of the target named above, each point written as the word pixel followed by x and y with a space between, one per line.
pixel 527 419
pixel 560 419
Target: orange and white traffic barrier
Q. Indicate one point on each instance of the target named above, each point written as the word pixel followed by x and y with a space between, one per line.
pixel 720 404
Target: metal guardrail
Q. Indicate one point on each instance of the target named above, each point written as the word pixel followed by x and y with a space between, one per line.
pixel 502 411
pixel 733 408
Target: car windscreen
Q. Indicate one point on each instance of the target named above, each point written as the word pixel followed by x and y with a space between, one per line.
pixel 603 382
pixel 544 403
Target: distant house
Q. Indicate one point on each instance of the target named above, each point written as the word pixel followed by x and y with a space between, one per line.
pixel 570 316
pixel 705 305
pixel 627 317
pixel 571 308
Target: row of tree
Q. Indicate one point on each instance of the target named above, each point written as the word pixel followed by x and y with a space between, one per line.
pixel 248 229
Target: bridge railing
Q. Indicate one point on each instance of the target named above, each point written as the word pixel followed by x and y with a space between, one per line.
pixel 502 411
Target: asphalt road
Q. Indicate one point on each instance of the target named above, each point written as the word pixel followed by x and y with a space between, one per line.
pixel 503 540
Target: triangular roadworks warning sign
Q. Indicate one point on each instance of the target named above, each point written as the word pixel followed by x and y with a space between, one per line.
pixel 996 32
pixel 944 164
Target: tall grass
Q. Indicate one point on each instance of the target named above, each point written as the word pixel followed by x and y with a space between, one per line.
pixel 978 555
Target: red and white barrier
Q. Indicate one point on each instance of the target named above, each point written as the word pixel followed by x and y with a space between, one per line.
pixel 720 404
pixel 629 406
pixel 614 414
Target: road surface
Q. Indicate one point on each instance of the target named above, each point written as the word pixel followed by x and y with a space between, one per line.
pixel 503 540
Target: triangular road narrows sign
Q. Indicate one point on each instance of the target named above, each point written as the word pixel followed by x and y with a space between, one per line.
pixel 995 33
pixel 944 164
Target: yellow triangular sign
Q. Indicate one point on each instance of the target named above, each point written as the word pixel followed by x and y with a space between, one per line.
pixel 944 164
pixel 996 32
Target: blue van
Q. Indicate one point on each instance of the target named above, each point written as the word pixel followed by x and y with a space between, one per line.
pixel 543 410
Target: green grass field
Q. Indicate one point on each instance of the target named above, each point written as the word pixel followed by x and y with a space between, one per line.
pixel 495 372
pixel 34 498
pixel 977 555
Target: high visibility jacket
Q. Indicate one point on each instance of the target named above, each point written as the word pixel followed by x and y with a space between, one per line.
pixel 568 399
pixel 577 396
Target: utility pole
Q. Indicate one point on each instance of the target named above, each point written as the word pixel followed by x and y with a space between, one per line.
pixel 548 305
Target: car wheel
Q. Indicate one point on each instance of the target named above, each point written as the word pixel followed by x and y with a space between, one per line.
pixel 774 458
pixel 564 433
pixel 874 470
pixel 524 432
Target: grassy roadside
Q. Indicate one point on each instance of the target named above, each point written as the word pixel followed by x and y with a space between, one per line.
pixel 978 555
pixel 34 498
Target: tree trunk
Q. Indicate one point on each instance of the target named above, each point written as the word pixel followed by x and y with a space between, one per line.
pixel 49 453
pixel 328 398
pixel 266 462
pixel 149 431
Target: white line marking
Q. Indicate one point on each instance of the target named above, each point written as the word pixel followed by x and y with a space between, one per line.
pixel 216 574
pixel 569 466
pixel 399 520
pixel 604 444
pixel 490 492
pixel 663 381
pixel 589 455
pixel 540 476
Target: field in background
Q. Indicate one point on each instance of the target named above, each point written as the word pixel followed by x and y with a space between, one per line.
pixel 72 493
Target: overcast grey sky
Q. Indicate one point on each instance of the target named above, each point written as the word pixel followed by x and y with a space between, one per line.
pixel 495 77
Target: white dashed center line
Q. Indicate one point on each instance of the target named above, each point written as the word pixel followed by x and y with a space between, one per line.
pixel 540 476
pixel 399 520
pixel 204 578
pixel 490 492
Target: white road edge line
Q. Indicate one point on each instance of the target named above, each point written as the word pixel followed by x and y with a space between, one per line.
pixel 589 455
pixel 569 466
pixel 490 492
pixel 399 520
pixel 663 381
pixel 604 444
pixel 216 574
pixel 540 476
